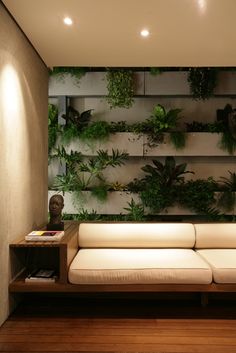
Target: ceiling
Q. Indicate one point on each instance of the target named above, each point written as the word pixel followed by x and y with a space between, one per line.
pixel 106 33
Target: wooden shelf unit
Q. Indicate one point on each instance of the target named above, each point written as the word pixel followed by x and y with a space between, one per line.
pixel 56 255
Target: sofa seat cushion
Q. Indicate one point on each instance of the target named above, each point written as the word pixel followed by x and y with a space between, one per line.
pixel 222 262
pixel 139 266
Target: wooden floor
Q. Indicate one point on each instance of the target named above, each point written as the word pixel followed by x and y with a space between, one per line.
pixel 127 324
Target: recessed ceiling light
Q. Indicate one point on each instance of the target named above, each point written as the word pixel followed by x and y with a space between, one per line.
pixel 144 33
pixel 68 21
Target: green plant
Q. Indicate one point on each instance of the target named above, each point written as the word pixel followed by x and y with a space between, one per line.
pixel 227 119
pixel 198 195
pixel 214 215
pixel 120 86
pixel 227 197
pixel 135 212
pixel 160 121
pixel 98 130
pixel 52 126
pixel 120 126
pixel 159 187
pixel 87 175
pixel 100 192
pixel 75 123
pixel 202 82
pixel 178 139
pixel 117 186
pixel 196 126
pixel 166 174
pixel 71 160
pixel 156 71
pixel 61 71
pixel 66 183
pixel 228 142
pixel 83 215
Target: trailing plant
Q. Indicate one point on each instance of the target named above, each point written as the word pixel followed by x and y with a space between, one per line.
pixel 135 212
pixel 52 126
pixel 98 130
pixel 227 197
pixel 178 139
pixel 202 82
pixel 197 126
pixel 120 86
pixel 228 142
pixel 156 71
pixel 100 192
pixel 120 126
pixel 198 195
pixel 61 71
pixel 227 118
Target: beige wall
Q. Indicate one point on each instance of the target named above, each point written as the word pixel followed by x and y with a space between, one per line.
pixel 23 143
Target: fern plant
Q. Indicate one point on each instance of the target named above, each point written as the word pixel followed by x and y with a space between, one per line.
pixel 70 160
pixel 87 175
pixel 53 128
pixel 135 212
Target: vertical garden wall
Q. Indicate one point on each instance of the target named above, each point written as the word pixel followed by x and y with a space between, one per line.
pixel 132 144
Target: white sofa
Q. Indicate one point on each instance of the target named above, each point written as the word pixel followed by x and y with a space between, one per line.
pixel 181 256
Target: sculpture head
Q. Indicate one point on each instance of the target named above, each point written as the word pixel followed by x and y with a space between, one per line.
pixel 56 204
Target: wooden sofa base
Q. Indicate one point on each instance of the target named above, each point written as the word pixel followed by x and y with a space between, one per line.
pixel 203 290
pixel 21 286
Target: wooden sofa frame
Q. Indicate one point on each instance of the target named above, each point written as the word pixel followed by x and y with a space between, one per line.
pixel 68 248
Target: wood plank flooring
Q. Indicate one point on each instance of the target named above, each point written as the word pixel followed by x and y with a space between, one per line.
pixel 120 325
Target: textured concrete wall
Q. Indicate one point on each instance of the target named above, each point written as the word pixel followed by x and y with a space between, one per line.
pixel 23 144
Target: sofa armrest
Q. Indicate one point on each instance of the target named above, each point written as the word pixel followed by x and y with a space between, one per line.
pixel 68 249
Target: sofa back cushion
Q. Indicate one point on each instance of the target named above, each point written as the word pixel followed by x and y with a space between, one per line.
pixel 215 235
pixel 136 235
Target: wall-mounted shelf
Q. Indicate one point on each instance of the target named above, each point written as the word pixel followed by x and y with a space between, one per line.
pixel 197 144
pixel 165 84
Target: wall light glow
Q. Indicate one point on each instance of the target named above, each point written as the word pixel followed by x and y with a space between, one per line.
pixel 13 120
pixel 145 33
pixel 68 21
pixel 202 5
pixel 11 94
